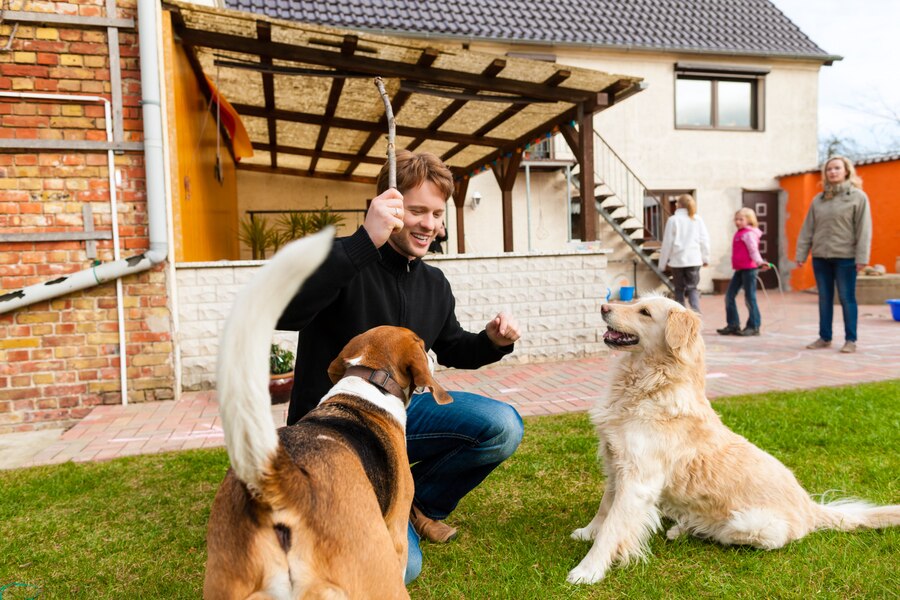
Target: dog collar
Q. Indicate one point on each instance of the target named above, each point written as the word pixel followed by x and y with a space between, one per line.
pixel 379 378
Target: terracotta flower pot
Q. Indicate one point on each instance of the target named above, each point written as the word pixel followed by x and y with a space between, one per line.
pixel 280 387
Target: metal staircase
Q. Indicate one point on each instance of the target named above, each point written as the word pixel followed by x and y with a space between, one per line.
pixel 620 197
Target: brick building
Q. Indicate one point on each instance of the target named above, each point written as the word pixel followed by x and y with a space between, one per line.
pixel 66 64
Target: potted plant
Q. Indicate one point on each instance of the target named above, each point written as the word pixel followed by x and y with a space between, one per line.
pixel 323 218
pixel 258 235
pixel 281 374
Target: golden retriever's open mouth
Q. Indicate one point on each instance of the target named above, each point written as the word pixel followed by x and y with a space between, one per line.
pixel 613 337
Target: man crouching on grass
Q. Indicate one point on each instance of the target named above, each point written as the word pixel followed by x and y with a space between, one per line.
pixel 377 277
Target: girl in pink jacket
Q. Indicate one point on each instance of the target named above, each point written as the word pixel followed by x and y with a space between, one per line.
pixel 746 261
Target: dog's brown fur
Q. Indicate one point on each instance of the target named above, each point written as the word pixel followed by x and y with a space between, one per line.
pixel 323 508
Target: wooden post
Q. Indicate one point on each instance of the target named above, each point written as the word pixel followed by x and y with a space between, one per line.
pixel 460 189
pixel 587 229
pixel 505 171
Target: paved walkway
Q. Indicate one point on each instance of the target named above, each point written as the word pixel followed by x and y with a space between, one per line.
pixel 774 361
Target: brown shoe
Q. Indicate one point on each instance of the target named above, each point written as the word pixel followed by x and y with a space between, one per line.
pixel 818 344
pixel 431 530
pixel 849 348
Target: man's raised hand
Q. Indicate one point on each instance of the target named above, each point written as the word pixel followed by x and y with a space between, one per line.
pixel 385 216
pixel 502 330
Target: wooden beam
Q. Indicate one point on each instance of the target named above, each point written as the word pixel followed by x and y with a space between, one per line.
pixel 520 142
pixel 587 228
pixel 460 189
pixel 369 160
pixel 379 66
pixel 505 171
pixel 497 65
pixel 264 33
pixel 428 56
pixel 360 125
pixel 570 134
pixel 303 173
pixel 507 114
pixel 348 48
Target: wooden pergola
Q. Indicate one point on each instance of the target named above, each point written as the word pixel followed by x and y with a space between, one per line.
pixel 306 96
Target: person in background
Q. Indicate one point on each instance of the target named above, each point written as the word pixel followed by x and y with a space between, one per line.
pixel 837 232
pixel 377 277
pixel 685 248
pixel 746 262
pixel 437 245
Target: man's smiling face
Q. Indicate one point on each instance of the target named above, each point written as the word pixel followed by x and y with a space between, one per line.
pixel 423 212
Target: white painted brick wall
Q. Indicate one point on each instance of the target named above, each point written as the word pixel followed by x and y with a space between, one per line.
pixel 555 297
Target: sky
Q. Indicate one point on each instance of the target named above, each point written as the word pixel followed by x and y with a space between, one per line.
pixel 866 83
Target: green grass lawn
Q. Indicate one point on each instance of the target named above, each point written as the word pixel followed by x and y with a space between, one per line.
pixel 135 527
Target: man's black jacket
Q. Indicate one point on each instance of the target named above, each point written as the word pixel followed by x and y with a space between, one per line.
pixel 359 287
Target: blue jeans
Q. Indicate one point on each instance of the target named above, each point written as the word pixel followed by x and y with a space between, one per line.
pixel 743 278
pixel 842 271
pixel 452 448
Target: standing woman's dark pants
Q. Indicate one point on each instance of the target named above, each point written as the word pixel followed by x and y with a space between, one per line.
pixel 686 280
pixel 840 271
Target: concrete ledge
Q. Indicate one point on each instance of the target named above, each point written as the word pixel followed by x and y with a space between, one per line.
pixel 876 289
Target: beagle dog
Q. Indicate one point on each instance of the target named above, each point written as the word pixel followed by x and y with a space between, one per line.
pixel 318 509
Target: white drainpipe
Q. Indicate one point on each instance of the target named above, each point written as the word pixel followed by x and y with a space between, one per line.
pixel 155 182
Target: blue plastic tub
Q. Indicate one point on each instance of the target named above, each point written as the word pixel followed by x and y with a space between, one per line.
pixel 895 308
pixel 626 293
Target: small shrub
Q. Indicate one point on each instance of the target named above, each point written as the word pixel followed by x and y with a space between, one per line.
pixel 281 360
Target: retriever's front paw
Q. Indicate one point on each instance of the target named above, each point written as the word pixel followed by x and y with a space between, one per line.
pixel 585 574
pixel 584 534
pixel 674 532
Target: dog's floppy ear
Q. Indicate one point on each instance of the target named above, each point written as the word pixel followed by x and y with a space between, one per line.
pixel 682 326
pixel 420 373
pixel 337 368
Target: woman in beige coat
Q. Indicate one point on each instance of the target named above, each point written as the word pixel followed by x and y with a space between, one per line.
pixel 838 233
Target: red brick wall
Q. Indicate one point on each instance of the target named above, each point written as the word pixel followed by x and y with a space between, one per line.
pixel 60 358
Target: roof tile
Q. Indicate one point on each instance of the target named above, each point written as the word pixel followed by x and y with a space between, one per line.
pixel 750 27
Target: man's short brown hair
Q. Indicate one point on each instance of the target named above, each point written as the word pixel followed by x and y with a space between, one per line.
pixel 414 169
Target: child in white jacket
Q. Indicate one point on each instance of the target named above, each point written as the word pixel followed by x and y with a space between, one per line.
pixel 685 248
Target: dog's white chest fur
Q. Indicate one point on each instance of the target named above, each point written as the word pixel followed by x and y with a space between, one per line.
pixel 359 387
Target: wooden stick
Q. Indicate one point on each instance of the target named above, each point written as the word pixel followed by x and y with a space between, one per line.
pixel 392 134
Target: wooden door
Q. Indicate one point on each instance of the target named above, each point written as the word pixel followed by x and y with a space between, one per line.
pixel 765 205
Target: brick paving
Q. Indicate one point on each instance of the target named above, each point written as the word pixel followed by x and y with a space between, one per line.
pixel 774 361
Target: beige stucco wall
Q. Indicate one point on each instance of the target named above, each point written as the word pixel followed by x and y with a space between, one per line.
pixel 264 191
pixel 547 215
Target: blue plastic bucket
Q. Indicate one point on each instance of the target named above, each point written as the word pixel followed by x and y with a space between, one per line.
pixel 626 293
pixel 895 308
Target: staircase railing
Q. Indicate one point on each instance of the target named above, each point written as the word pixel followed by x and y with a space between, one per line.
pixel 624 200
pixel 612 170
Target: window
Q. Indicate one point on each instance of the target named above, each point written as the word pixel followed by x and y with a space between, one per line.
pixel 543 150
pixel 719 97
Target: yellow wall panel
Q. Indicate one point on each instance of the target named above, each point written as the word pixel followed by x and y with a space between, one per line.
pixel 204 207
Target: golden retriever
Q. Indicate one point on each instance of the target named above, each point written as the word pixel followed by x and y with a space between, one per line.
pixel 666 453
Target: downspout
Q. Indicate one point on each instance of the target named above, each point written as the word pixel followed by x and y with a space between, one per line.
pixel 155 180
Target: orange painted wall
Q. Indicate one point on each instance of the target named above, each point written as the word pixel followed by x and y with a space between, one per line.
pixel 881 182
pixel 205 211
